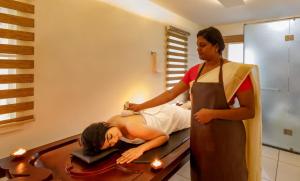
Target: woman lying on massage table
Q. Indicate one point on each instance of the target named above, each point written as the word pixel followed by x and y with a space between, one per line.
pixel 149 129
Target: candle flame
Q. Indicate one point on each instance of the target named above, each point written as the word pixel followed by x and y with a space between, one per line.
pixel 156 163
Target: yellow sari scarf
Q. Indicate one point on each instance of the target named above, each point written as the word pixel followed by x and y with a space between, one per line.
pixel 233 76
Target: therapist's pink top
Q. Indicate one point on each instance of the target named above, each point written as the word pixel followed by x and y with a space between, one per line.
pixel 191 74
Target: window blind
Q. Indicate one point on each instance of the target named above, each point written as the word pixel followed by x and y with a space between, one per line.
pixel 177 55
pixel 16 61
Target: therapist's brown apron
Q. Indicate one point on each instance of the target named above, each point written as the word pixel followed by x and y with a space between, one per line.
pixel 217 147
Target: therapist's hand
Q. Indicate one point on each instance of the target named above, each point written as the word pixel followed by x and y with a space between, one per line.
pixel 130 155
pixel 135 107
pixel 204 115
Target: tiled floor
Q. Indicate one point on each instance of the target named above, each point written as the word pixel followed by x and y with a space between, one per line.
pixel 277 166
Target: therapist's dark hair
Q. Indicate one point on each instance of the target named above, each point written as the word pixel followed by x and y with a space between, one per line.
pixel 213 36
pixel 93 137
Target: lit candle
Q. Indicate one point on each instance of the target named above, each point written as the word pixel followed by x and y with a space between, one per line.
pixel 157 164
pixel 19 153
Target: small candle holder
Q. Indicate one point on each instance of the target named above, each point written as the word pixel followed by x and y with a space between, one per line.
pixel 19 153
pixel 156 165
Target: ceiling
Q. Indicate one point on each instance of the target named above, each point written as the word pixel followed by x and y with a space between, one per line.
pixel 212 12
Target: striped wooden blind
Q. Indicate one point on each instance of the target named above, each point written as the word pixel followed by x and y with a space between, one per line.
pixel 16 61
pixel 177 55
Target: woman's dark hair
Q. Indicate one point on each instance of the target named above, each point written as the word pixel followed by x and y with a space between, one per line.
pixel 213 36
pixel 93 137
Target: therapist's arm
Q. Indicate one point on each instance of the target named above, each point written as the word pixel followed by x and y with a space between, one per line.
pixel 245 111
pixel 163 98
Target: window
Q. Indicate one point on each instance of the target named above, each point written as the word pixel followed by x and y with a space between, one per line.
pixel 16 61
pixel 236 52
pixel 176 61
pixel 234 48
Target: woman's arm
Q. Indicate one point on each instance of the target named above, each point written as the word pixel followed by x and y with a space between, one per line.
pixel 153 137
pixel 245 111
pixel 163 98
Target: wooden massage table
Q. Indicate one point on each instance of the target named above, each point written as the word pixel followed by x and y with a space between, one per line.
pixel 54 162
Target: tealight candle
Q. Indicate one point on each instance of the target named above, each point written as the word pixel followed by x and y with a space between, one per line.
pixel 19 153
pixel 157 164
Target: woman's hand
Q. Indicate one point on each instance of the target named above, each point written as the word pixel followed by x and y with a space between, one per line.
pixel 134 107
pixel 204 115
pixel 130 155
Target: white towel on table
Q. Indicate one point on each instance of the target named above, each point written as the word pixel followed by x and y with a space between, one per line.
pixel 167 118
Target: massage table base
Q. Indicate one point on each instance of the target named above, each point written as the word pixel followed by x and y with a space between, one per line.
pixel 51 162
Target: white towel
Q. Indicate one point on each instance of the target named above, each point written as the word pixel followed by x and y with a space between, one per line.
pixel 167 118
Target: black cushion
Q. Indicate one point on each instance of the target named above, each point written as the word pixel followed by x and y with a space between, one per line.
pixel 90 159
pixel 175 140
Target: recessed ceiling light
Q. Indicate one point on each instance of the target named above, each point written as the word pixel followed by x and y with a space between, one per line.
pixel 232 3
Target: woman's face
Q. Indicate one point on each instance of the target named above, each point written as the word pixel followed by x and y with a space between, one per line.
pixel 206 50
pixel 112 136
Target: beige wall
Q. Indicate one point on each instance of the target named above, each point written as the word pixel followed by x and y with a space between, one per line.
pixel 90 58
pixel 231 29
